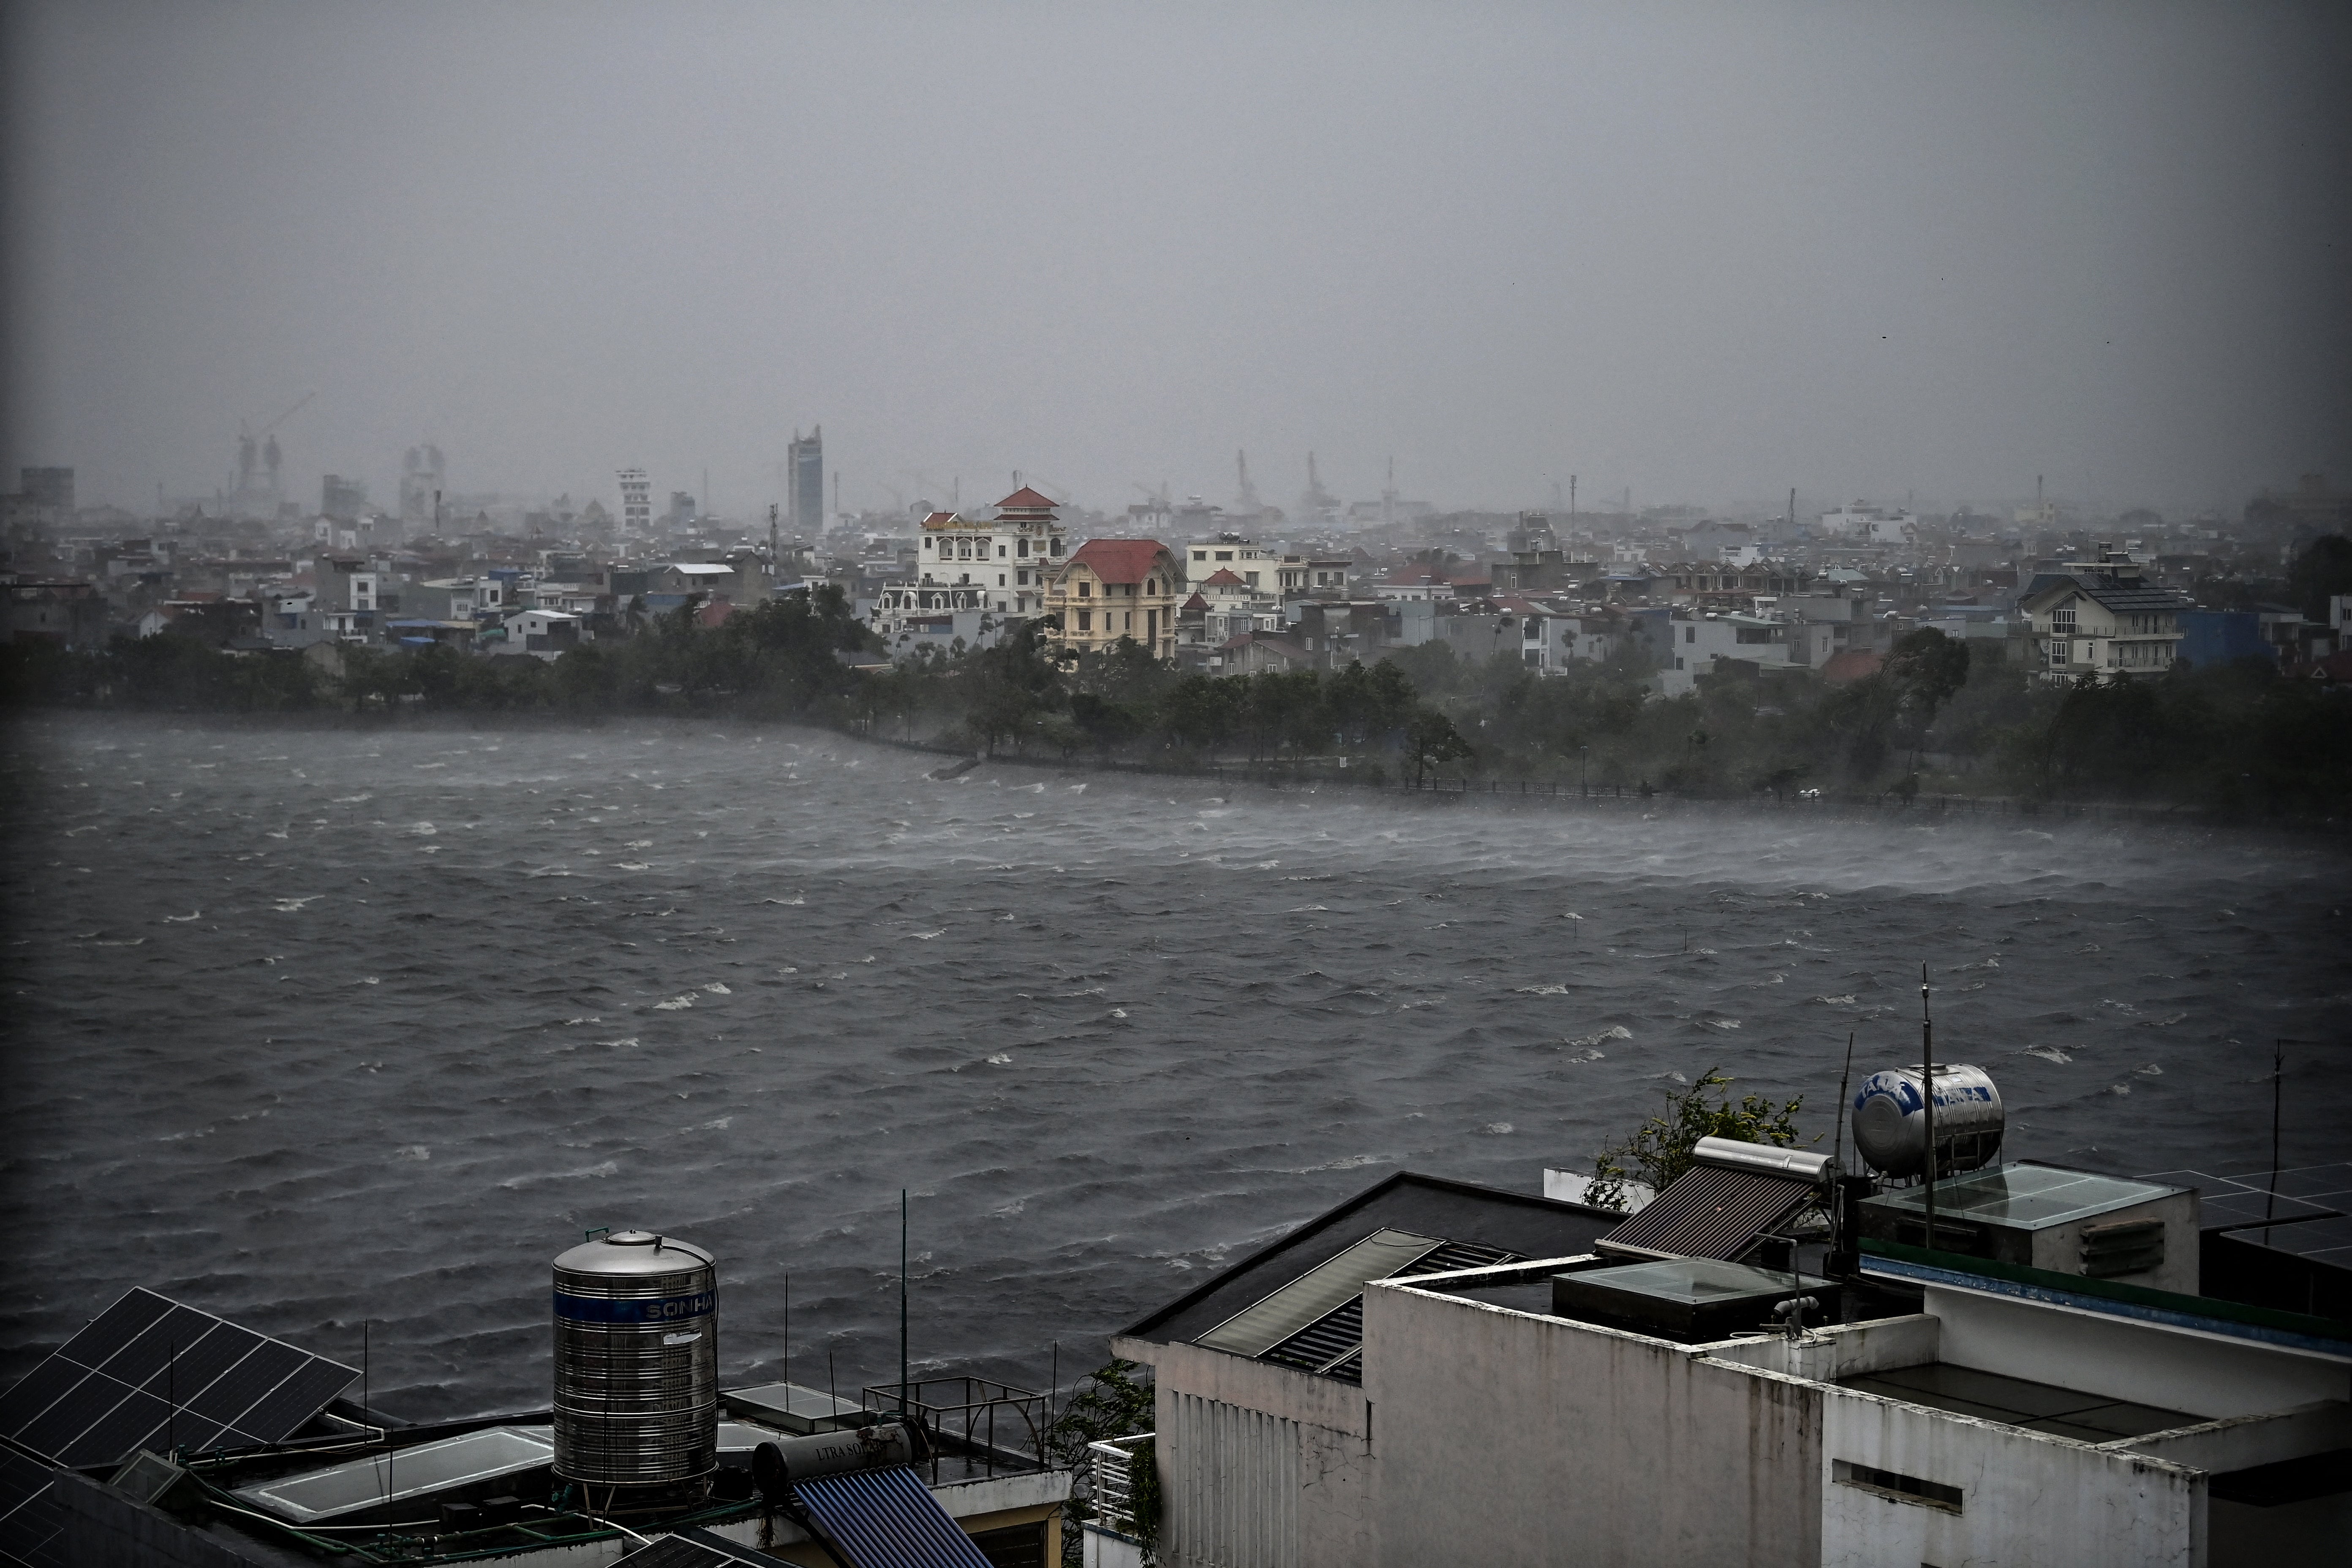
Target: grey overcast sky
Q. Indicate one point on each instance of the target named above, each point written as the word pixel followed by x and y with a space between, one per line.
pixel 1704 251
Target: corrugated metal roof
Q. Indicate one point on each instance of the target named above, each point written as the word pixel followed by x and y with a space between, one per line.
pixel 1276 1315
pixel 1711 1212
pixel 1333 1344
pixel 887 1519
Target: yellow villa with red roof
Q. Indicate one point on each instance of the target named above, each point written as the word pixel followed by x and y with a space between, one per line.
pixel 1113 588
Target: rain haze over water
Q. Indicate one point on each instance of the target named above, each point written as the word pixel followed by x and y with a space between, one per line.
pixel 1701 252
pixel 315 1026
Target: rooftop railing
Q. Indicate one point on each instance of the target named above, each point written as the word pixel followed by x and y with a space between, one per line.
pixel 976 1427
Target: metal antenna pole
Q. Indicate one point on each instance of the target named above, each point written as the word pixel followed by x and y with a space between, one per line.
pixel 1928 1073
pixel 902 1300
pixel 788 1342
pixel 2278 1087
pixel 1837 1145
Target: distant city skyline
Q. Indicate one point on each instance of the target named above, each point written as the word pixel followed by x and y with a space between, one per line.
pixel 1708 252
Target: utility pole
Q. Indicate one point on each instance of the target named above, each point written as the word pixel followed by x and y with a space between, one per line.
pixel 1572 498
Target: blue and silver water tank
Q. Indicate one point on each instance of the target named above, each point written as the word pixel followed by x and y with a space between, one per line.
pixel 637 1361
pixel 1890 1120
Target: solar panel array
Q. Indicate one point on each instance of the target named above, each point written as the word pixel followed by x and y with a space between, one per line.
pixel 149 1372
pixel 29 1517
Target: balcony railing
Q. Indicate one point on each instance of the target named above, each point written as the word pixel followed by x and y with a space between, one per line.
pixel 1112 1462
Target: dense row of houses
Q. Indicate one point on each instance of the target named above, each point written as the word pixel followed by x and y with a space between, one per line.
pixel 1221 605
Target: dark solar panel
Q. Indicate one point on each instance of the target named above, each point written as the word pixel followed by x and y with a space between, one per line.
pixel 57 1427
pixel 1712 1212
pixel 29 1516
pixel 149 1372
pixel 35 1392
pixel 119 1433
pixel 247 1385
pixel 886 1519
pixel 176 1331
pixel 117 1326
pixel 188 1369
pixel 311 1388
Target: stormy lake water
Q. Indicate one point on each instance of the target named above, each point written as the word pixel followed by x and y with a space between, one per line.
pixel 313 1026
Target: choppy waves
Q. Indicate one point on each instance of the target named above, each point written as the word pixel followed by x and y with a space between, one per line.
pixel 313 1027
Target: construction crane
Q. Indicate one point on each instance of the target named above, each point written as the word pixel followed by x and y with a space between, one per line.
pixel 298 406
pixel 932 489
pixel 249 438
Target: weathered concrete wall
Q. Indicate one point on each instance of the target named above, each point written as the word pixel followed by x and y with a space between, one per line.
pixel 1844 1349
pixel 2150 1363
pixel 1260 1467
pixel 1503 1438
pixel 2240 1442
pixel 2027 1501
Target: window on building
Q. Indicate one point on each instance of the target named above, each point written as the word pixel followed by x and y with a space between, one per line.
pixel 1000 555
pixel 1085 620
pixel 1690 634
pixel 1000 583
pixel 1021 547
pixel 1228 555
pixel 1896 1486
pixel 1086 589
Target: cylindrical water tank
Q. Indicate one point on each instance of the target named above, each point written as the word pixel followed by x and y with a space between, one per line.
pixel 1890 1120
pixel 637 1361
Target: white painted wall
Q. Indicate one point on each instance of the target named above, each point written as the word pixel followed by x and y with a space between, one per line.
pixel 2028 1500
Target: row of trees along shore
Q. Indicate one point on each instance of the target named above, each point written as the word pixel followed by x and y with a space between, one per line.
pixel 2240 739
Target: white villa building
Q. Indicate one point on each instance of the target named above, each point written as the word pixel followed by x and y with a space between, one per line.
pixel 997 565
pixel 2103 617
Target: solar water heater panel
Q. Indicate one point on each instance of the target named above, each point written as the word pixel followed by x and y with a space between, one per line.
pixel 887 1519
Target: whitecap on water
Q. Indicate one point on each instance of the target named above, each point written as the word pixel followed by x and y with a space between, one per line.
pixel 411 1151
pixel 2048 1054
pixel 1496 1129
pixel 1000 1059
pixel 1586 1042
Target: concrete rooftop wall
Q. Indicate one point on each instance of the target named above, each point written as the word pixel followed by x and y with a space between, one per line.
pixel 2150 1363
pixel 1502 1437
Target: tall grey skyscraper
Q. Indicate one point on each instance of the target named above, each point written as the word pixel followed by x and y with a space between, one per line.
pixel 805 463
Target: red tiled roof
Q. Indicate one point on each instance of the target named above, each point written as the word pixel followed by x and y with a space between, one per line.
pixel 1850 666
pixel 1122 560
pixel 1195 602
pixel 1026 499
pixel 714 614
pixel 1223 578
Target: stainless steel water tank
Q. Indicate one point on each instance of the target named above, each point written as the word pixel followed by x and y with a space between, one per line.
pixel 1890 1120
pixel 637 1361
